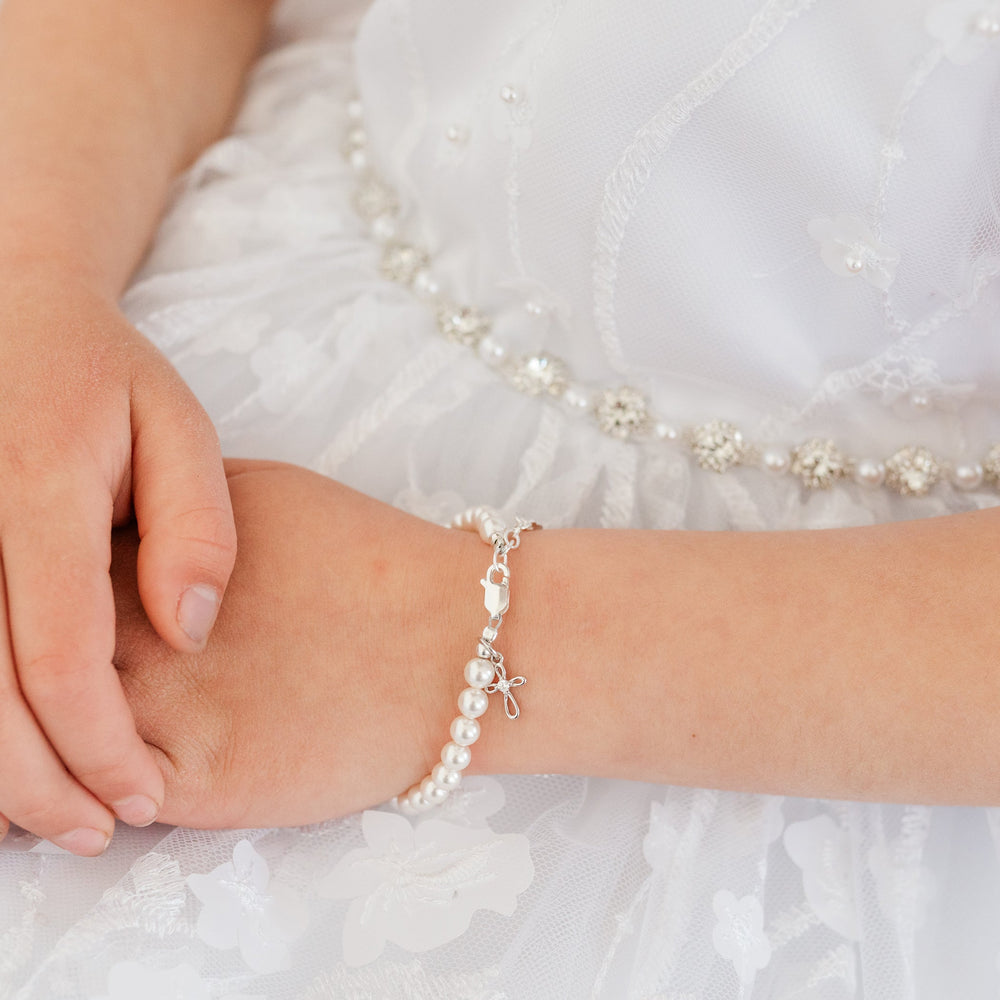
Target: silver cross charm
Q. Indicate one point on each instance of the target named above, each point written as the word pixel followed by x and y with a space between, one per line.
pixel 503 686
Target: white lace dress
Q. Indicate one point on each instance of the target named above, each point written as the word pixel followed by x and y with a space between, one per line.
pixel 778 214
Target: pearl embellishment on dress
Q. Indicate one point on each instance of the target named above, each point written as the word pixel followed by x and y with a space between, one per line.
pixel 848 247
pixel 987 24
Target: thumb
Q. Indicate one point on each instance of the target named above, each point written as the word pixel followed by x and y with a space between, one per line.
pixel 187 537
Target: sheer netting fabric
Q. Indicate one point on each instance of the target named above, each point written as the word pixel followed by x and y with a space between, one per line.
pixel 780 214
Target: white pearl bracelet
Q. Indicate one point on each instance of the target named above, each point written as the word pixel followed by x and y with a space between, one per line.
pixel 485 674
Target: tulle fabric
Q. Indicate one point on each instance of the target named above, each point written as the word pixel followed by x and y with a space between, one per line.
pixel 649 194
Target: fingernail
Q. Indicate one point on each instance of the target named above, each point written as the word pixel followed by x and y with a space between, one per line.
pixel 136 810
pixel 197 610
pixel 85 841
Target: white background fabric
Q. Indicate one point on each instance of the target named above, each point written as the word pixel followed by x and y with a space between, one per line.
pixel 651 189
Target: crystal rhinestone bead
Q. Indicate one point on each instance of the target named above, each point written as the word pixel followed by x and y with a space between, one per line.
pixel 401 262
pixel 991 465
pixel 912 471
pixel 462 324
pixel 717 445
pixel 373 199
pixel 818 463
pixel 535 374
pixel 622 412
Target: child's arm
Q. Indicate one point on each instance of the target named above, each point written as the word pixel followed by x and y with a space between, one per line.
pixel 102 102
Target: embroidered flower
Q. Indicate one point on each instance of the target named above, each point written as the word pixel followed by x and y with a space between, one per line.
pixel 244 909
pixel 965 28
pixel 660 842
pixel 471 804
pixel 419 887
pixel 821 849
pixel 849 248
pixel 904 885
pixel 238 335
pixel 513 115
pixel 739 933
pixel 129 980
pixel 284 366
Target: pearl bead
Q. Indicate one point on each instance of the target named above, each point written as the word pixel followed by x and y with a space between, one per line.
pixel 869 472
pixel 425 284
pixel 455 757
pixel 920 401
pixel 968 476
pixel 508 94
pixel 354 110
pixel 357 138
pixel 402 803
pixel 986 24
pixel 488 527
pixel 472 702
pixel 384 228
pixel 359 161
pixel 446 778
pixel 491 352
pixel 479 672
pixel 465 731
pixel 775 460
pixel 415 800
pixel 854 263
pixel 432 792
pixel 577 398
pixel 666 432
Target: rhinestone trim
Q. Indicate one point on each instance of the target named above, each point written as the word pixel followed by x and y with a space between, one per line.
pixel 624 412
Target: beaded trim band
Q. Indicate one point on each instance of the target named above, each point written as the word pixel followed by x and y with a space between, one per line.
pixel 485 674
pixel 623 411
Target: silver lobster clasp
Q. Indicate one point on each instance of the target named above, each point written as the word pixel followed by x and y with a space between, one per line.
pixel 497 592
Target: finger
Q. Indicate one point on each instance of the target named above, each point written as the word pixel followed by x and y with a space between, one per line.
pixel 62 626
pixel 36 791
pixel 187 536
pixel 4 827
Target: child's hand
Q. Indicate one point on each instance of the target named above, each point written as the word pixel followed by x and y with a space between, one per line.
pixel 94 423
pixel 336 666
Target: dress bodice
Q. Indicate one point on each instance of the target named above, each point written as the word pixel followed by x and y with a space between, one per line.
pixel 777 211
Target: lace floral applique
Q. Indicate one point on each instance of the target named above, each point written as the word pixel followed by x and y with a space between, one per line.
pixel 471 804
pixel 244 908
pixel 660 842
pixel 822 850
pixel 849 248
pixel 419 887
pixel 152 897
pixel 739 933
pixel 965 28
pixel 283 366
pixel 239 335
pixel 905 889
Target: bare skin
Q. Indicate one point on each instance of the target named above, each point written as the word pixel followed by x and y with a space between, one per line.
pixel 848 664
pixel 102 103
